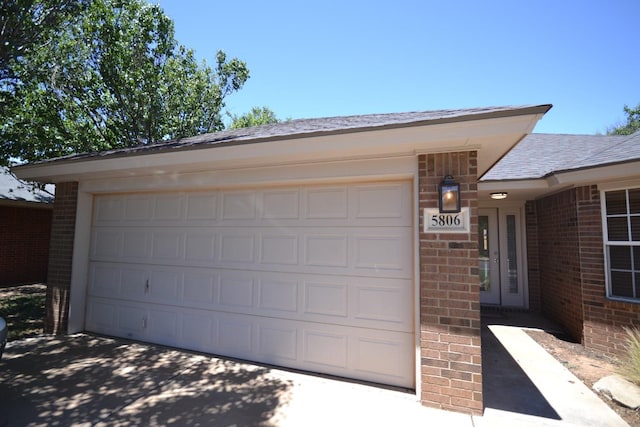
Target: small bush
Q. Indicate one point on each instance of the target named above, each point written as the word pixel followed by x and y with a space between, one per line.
pixel 630 367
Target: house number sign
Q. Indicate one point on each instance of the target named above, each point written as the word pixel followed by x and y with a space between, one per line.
pixel 436 222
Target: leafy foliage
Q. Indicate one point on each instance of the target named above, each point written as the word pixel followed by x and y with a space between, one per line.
pixel 257 116
pixel 113 76
pixel 630 368
pixel 26 25
pixel 631 125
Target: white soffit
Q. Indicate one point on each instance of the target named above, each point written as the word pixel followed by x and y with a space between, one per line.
pixel 491 137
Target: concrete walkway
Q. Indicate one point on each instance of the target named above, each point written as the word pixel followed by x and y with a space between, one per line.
pixel 89 380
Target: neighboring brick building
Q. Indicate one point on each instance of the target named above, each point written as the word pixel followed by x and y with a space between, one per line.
pixel 25 229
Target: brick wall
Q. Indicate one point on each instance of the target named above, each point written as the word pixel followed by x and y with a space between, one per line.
pixel 24 247
pixel 60 258
pixel 572 271
pixel 559 260
pixel 603 318
pixel 451 368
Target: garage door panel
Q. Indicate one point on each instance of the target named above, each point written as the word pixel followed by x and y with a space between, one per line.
pixel 197 330
pixel 278 294
pixel 200 247
pixel 132 321
pixel 168 207
pixel 278 249
pixel 361 301
pixel 325 250
pixel 168 245
pixel 237 247
pixel 326 297
pixel 107 244
pixel 326 348
pixel 137 245
pixel 381 201
pixel 280 205
pixel 386 304
pixel 203 207
pixel 109 209
pixel 102 317
pixel 199 287
pixel 104 281
pixel 372 350
pixel 378 250
pixel 378 204
pixel 235 336
pixel 166 285
pixel 326 203
pixel 276 342
pixel 239 205
pixel 332 349
pixel 134 283
pixel 236 290
pixel 369 251
pixel 317 278
pixel 162 325
pixel 139 209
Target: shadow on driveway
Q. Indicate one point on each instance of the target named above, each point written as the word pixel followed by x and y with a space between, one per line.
pixel 92 380
pixel 506 386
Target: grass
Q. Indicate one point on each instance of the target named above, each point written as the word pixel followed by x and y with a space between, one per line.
pixel 630 368
pixel 24 314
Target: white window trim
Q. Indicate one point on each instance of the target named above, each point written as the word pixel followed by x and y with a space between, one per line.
pixel 628 185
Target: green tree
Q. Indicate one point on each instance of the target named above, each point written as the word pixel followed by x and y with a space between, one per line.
pixel 26 25
pixel 631 125
pixel 113 76
pixel 257 116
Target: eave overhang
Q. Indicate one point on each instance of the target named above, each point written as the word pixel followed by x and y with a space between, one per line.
pixel 492 135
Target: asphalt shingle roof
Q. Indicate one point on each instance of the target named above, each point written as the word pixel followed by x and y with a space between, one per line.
pixel 540 155
pixel 315 127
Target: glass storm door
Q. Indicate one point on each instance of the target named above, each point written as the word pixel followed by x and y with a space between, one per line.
pixel 500 257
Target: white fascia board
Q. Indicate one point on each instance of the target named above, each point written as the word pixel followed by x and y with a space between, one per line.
pixel 600 174
pixel 492 138
pixel 524 184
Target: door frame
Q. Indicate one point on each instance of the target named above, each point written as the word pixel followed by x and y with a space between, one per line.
pixel 501 211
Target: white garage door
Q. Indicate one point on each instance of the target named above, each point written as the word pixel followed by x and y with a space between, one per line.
pixel 316 277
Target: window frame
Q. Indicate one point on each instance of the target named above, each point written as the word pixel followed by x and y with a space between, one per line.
pixel 619 243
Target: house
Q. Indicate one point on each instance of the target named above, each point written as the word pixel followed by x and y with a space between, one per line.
pixel 579 196
pixel 25 228
pixel 361 247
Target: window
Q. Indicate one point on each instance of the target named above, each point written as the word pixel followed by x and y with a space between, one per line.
pixel 622 243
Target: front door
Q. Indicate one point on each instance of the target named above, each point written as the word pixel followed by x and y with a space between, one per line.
pixel 500 257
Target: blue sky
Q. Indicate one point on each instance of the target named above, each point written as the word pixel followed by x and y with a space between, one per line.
pixel 326 58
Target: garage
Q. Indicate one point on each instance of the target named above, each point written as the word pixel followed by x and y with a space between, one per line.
pixel 300 244
pixel 311 277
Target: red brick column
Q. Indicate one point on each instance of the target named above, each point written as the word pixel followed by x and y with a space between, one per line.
pixel 559 260
pixel 60 258
pixel 451 365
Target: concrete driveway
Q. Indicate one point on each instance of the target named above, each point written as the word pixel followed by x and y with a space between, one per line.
pixel 90 380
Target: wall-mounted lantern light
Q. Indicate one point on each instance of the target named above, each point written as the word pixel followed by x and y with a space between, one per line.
pixel 449 191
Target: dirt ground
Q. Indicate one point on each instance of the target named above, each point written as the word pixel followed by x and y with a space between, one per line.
pixel 589 366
